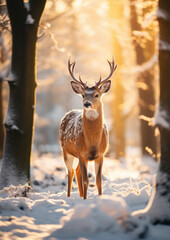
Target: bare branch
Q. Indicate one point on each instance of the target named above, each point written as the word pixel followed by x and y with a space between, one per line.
pixel 41 34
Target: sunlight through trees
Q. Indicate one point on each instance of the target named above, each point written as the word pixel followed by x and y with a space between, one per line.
pixel 37 37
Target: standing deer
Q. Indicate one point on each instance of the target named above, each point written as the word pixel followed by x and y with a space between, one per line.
pixel 83 134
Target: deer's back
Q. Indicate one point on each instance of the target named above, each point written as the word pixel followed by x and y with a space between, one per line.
pixel 71 128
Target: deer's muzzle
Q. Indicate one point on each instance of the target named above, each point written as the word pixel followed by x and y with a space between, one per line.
pixel 87 104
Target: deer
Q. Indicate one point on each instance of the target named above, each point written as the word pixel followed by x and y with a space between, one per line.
pixel 83 133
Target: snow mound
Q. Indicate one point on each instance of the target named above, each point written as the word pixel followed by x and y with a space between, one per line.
pixel 47 213
pixel 158 208
pixel 90 218
pixel 16 191
pixel 134 198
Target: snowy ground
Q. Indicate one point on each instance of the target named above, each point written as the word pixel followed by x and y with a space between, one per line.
pixel 46 212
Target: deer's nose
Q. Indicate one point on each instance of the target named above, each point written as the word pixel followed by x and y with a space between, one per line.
pixel 87 104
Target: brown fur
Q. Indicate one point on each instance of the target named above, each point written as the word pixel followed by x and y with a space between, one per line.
pixel 83 135
pixel 90 144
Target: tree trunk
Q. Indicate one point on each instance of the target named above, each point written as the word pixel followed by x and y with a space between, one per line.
pixel 1 88
pixel 158 208
pixel 1 122
pixel 24 19
pixel 116 14
pixel 146 80
pixel 162 196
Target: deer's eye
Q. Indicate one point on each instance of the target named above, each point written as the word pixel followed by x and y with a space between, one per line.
pixel 96 95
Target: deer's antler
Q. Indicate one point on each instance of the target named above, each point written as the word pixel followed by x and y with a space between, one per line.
pixel 113 67
pixel 71 67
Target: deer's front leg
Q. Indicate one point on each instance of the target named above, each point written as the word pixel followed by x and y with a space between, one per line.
pixel 69 164
pixel 79 180
pixel 83 168
pixel 98 171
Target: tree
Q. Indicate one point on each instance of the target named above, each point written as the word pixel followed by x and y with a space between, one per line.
pixel 158 208
pixel 2 74
pixel 145 52
pixel 116 13
pixel 24 18
pixel 1 122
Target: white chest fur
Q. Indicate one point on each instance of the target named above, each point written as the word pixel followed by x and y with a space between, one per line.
pixel 91 114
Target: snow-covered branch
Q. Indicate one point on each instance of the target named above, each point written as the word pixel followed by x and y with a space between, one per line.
pixel 146 119
pixel 11 77
pixel 27 6
pixel 144 67
pixel 29 20
pixel 10 123
pixel 161 118
pixel 148 19
pixel 162 14
pixel 164 46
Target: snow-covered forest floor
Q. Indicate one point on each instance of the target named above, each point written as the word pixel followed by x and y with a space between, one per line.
pixel 45 212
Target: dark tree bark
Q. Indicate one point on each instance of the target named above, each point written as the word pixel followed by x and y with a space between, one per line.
pixel 164 64
pixel 158 208
pixel 24 19
pixel 162 196
pixel 2 134
pixel 146 81
pixel 1 122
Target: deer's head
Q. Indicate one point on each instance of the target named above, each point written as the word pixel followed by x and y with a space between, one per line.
pixel 91 95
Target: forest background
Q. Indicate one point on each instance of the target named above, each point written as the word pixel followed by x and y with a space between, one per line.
pixel 136 113
pixel 92 32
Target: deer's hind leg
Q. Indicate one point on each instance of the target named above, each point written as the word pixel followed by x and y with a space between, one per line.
pixel 79 180
pixel 69 164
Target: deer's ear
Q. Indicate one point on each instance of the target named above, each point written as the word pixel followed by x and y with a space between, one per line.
pixel 77 87
pixel 105 87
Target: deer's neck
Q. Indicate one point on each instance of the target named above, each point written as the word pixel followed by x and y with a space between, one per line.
pixel 93 126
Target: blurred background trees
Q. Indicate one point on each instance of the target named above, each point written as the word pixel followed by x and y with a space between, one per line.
pixel 144 34
pixel 117 28
pixel 91 32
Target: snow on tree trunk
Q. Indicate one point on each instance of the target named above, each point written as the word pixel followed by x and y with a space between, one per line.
pixel 146 79
pixel 1 122
pixel 2 76
pixel 24 19
pixel 158 208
